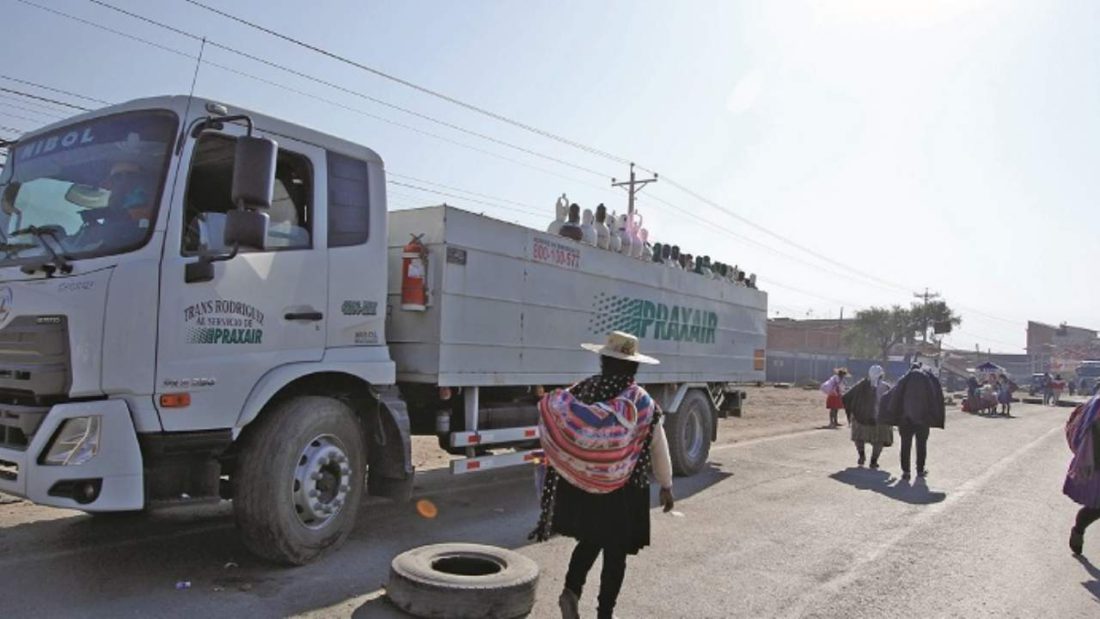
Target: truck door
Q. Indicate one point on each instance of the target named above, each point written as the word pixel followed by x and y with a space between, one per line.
pixel 263 309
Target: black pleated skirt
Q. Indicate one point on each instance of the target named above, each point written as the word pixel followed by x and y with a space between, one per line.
pixel 619 518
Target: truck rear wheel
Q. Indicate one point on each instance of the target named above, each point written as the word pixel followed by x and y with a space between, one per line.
pixel 689 431
pixel 300 479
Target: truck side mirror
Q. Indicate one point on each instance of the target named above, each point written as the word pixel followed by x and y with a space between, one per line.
pixel 254 172
pixel 246 228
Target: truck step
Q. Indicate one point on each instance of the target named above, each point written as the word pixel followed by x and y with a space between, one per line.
pixel 484 463
pixel 494 437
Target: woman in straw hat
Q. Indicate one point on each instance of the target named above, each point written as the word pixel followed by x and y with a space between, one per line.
pixel 600 437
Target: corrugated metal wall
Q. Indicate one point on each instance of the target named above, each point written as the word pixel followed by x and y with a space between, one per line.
pixel 794 367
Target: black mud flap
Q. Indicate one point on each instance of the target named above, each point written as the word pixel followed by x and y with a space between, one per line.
pixel 389 449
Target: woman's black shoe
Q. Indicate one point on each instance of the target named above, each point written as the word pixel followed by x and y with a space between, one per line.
pixel 1076 541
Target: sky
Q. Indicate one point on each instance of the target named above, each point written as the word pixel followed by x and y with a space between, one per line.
pixel 859 151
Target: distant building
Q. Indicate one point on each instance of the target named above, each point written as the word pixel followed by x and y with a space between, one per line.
pixel 802 351
pixel 1060 348
pixel 809 336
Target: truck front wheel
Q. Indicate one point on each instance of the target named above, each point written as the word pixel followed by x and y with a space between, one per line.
pixel 689 432
pixel 299 480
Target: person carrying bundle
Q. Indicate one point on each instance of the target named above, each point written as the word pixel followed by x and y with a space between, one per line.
pixel 600 437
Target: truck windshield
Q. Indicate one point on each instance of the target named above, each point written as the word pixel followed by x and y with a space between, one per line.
pixel 89 189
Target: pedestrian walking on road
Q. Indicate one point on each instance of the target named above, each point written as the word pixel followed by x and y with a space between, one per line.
pixel 1005 387
pixel 862 403
pixel 1057 386
pixel 600 437
pixel 1083 477
pixel 1048 391
pixel 915 405
pixel 834 392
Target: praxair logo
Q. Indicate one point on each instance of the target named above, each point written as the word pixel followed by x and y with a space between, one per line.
pixel 646 319
pixel 220 321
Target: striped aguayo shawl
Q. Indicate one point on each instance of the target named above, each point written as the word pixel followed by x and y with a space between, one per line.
pixel 595 446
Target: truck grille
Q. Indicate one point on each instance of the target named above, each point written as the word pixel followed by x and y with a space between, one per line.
pixel 19 423
pixel 35 372
pixel 34 360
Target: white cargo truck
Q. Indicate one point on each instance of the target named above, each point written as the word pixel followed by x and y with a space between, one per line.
pixel 199 303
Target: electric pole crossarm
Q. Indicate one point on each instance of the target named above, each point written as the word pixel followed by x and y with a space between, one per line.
pixel 633 186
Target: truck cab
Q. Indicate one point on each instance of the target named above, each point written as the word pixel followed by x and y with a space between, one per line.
pixel 144 328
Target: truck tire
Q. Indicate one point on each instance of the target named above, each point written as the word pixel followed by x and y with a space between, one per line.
pixel 463 581
pixel 299 480
pixel 689 432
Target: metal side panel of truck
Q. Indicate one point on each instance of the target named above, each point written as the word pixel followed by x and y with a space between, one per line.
pixel 509 305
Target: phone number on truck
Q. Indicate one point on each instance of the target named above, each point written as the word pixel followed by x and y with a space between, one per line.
pixel 556 254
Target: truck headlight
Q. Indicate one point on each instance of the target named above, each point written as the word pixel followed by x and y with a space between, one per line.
pixel 76 442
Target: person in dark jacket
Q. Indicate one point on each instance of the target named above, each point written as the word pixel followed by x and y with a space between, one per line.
pixel 862 403
pixel 915 406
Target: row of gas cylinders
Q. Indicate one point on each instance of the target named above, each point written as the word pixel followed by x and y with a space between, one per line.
pixel 624 234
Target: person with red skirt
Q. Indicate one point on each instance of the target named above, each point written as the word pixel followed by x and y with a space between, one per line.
pixel 834 391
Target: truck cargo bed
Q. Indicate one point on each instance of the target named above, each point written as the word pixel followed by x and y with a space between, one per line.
pixel 509 305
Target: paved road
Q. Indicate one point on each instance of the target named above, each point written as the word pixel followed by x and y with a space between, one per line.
pixel 776 527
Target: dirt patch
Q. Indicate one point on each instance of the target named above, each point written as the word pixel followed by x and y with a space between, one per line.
pixel 770 411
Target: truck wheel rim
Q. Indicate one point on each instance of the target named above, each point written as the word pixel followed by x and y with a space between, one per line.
pixel 322 481
pixel 693 434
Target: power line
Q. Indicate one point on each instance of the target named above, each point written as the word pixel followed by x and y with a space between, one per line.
pixel 786 240
pixel 508 121
pixel 315 97
pixel 458 197
pixel 404 82
pixel 26 118
pixel 431 119
pixel 391 174
pixel 513 122
pixel 979 336
pixel 21 104
pixel 309 95
pixel 349 91
pixel 54 90
pixel 6 106
pixel 524 126
pixel 41 98
pixel 346 90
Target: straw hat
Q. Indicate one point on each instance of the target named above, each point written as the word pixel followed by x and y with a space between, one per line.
pixel 621 345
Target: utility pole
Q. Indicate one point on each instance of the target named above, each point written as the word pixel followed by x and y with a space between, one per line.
pixel 927 296
pixel 633 186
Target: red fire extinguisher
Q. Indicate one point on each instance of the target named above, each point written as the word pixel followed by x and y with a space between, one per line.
pixel 414 275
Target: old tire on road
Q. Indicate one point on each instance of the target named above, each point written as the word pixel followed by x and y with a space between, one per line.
pixel 299 480
pixel 689 432
pixel 463 581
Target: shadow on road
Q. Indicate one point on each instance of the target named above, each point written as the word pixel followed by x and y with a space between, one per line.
pixel 190 562
pixel 915 493
pixel 684 487
pixel 994 416
pixel 1092 586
